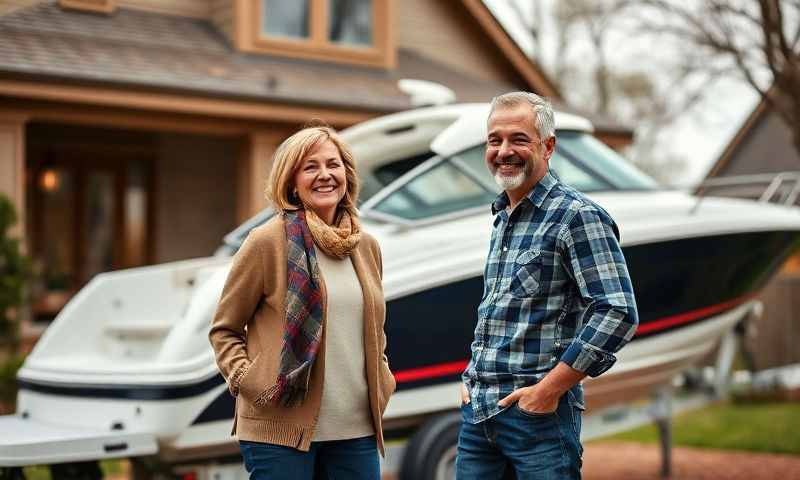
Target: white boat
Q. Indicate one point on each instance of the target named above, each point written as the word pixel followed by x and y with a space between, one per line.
pixel 129 354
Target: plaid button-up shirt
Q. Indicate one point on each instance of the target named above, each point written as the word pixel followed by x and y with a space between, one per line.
pixel 556 288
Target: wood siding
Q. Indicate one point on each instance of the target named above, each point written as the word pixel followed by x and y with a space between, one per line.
pixel 774 341
pixel 444 31
pixel 195 195
pixel 12 169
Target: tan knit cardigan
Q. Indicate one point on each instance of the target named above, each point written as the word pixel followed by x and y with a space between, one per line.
pixel 247 336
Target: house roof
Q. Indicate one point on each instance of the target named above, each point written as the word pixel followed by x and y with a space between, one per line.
pixel 144 51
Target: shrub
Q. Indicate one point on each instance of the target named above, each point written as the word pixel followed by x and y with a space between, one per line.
pixel 14 271
pixel 8 382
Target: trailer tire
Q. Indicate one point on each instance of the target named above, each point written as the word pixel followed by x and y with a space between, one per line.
pixel 89 470
pixel 430 453
pixel 12 473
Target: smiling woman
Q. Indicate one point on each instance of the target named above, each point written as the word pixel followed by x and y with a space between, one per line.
pixel 298 333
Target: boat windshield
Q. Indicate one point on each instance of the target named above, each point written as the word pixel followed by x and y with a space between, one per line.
pixel 462 182
pixel 424 189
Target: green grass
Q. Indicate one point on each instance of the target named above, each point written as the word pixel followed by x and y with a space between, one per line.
pixel 758 427
pixel 39 472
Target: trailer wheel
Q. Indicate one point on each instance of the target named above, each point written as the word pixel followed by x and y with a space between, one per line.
pixel 431 452
pixel 12 473
pixel 89 470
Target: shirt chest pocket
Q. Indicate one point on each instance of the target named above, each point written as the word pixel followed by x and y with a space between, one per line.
pixel 528 275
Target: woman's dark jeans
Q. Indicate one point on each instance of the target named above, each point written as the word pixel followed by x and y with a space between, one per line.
pixel 355 459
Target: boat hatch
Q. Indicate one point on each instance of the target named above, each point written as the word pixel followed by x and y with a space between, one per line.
pixel 28 442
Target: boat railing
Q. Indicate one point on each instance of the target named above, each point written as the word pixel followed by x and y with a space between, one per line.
pixel 782 188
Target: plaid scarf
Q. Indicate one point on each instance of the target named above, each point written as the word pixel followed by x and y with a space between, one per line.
pixel 303 334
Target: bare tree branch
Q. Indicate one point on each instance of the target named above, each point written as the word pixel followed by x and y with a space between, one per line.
pixel 534 26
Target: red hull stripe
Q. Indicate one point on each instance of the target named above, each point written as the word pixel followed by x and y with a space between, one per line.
pixel 452 368
pixel 667 322
pixel 431 371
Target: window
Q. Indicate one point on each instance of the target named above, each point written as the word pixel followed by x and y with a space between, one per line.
pixel 348 31
pixel 285 19
pixel 350 22
pixel 439 190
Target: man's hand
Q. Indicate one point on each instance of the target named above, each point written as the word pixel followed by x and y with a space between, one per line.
pixel 532 399
pixel 543 396
pixel 464 395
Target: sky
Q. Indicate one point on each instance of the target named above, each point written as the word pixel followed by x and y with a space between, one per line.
pixel 699 135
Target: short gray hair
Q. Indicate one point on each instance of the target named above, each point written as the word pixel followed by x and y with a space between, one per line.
pixel 543 117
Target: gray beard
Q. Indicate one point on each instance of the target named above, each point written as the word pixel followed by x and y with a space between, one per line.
pixel 510 183
pixel 513 183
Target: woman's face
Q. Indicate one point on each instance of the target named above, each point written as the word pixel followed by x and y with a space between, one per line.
pixel 321 181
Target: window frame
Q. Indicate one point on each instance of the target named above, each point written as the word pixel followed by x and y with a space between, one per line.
pixel 317 46
pixel 99 6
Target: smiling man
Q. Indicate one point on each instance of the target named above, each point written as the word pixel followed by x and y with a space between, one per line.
pixel 557 305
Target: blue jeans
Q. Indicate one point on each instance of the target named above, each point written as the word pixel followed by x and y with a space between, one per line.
pixel 532 446
pixel 355 459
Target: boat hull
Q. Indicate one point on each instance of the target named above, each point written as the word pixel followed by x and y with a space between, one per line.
pixel 690 292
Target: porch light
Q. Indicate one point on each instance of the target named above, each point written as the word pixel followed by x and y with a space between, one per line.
pixel 50 180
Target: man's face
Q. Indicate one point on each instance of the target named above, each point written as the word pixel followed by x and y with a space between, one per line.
pixel 515 154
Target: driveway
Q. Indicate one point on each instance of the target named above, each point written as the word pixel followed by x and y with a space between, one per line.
pixel 633 461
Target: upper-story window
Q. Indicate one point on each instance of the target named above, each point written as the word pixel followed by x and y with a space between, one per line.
pixel 350 22
pixel 349 31
pixel 285 19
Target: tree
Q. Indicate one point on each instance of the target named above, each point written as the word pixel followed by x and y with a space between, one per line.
pixel 757 40
pixel 14 271
pixel 583 59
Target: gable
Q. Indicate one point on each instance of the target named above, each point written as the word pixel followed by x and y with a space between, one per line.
pixel 762 145
pixel 464 36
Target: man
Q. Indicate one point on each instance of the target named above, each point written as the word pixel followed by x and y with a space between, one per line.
pixel 557 304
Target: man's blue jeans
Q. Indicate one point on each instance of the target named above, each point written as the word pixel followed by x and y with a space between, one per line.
pixel 533 446
pixel 355 459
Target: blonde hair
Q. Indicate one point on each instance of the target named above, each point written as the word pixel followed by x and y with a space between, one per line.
pixel 287 159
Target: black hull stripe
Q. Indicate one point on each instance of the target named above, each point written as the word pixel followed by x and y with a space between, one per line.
pixel 647 330
pixel 124 392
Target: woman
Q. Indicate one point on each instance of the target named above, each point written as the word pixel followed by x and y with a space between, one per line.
pixel 298 333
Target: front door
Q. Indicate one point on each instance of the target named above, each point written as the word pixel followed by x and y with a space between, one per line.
pixel 91 215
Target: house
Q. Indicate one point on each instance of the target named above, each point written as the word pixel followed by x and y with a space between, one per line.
pixel 761 149
pixel 135 132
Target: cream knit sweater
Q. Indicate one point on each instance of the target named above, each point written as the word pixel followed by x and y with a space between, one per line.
pixel 344 412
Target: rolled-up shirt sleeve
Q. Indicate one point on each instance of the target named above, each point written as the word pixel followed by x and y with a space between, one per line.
pixel 594 260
